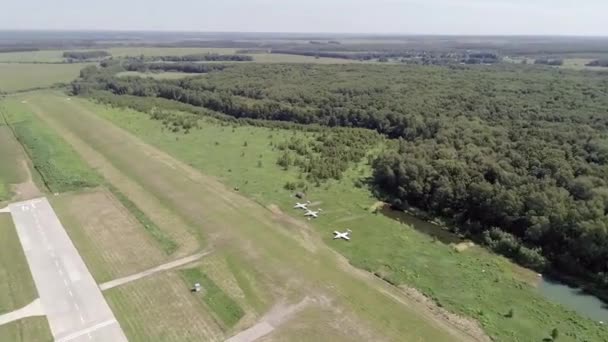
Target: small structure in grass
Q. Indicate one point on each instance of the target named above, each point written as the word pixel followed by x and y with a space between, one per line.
pixel 197 287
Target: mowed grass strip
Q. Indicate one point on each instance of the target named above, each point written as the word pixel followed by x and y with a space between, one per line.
pixel 226 309
pixel 162 308
pixel 31 329
pixel 17 287
pixel 111 241
pixel 11 161
pixel 57 163
pixel 167 244
pixel 17 77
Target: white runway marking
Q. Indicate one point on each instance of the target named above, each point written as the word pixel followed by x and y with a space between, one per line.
pixel 69 295
pixel 86 331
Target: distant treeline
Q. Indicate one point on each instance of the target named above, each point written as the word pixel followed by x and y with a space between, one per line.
pixel 17 49
pixel 85 55
pixel 423 57
pixel 196 68
pixel 549 61
pixel 598 63
pixel 207 57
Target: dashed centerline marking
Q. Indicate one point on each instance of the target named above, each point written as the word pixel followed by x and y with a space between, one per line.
pixel 70 293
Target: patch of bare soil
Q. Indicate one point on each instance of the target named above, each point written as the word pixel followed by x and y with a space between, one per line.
pixel 463 246
pixel 28 189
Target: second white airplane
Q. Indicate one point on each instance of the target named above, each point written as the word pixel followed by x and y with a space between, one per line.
pixel 343 236
pixel 312 214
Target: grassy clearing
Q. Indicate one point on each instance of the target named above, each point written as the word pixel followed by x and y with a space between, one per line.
pixel 11 157
pixel 161 308
pixel 59 166
pixel 111 241
pixel 158 75
pixel 166 243
pixel 17 287
pixel 227 217
pixel 473 283
pixel 224 308
pixel 32 329
pixel 16 77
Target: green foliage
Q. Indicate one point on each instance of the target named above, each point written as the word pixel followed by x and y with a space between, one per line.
pixel 554 334
pixel 506 149
pixel 225 308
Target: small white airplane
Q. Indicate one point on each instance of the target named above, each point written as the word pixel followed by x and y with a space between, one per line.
pixel 302 205
pixel 312 214
pixel 344 236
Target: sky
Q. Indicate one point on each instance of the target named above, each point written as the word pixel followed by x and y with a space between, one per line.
pixel 468 17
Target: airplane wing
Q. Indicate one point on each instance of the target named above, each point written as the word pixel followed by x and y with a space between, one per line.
pixel 346 238
pixel 336 232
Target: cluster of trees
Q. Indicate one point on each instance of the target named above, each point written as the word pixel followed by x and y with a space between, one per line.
pixel 516 156
pixel 206 57
pixel 328 155
pixel 549 61
pixel 85 55
pixel 598 62
pixel 187 67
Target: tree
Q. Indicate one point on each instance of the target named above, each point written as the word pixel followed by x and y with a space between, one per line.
pixel 554 334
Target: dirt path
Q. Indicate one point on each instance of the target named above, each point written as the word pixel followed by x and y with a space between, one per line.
pixel 164 267
pixel 278 315
pixel 32 309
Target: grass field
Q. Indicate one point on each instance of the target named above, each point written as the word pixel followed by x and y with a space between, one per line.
pixel 161 308
pixel 226 310
pixel 11 157
pixel 59 166
pixel 295 266
pixel 15 77
pixel 401 254
pixel 32 329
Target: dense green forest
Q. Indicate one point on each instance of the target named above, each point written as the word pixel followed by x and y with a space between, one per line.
pixel 515 156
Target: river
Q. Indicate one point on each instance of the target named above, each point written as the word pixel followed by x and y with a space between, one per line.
pixel 572 298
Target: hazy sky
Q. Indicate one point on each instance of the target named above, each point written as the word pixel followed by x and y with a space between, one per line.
pixel 554 17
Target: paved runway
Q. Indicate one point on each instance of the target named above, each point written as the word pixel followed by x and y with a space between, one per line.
pixel 75 308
